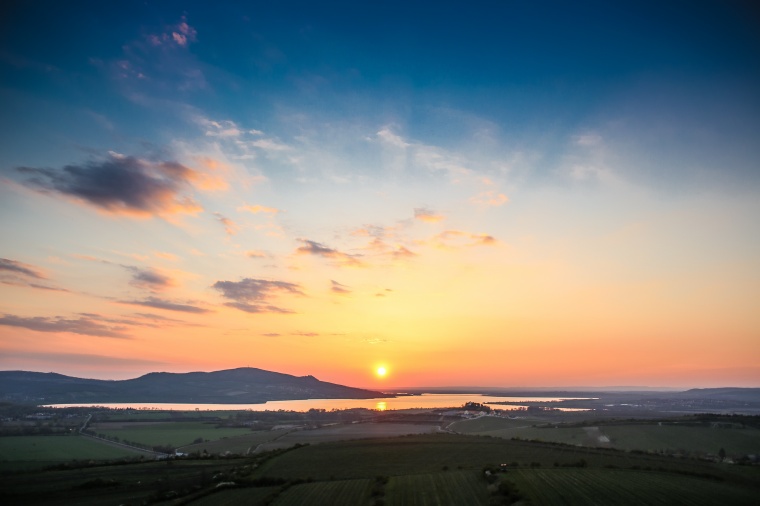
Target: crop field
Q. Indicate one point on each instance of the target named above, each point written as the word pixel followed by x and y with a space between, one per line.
pixel 431 453
pixel 233 497
pixel 38 451
pixel 113 484
pixel 491 423
pixel 426 469
pixel 649 436
pixel 693 439
pixel 347 432
pixel 625 487
pixel 334 493
pixel 166 433
pixel 236 444
pixel 453 488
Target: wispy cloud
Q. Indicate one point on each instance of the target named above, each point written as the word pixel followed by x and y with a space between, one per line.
pixel 339 288
pixel 20 268
pixel 15 273
pixel 254 295
pixel 149 279
pixel 157 303
pixel 121 185
pixel 230 227
pixel 255 209
pixel 427 215
pixel 83 325
pixel 450 239
pixel 339 258
pixel 490 199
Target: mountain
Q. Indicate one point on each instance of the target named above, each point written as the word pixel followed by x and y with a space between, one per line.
pixel 245 385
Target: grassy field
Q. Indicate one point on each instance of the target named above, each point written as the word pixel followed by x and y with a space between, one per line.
pixel 455 488
pixel 334 493
pixel 431 453
pixel 640 436
pixel 426 469
pixel 166 433
pixel 490 423
pixel 234 497
pixel 237 444
pixel 346 432
pixel 692 439
pixel 23 452
pixel 625 487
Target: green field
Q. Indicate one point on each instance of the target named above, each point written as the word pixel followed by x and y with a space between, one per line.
pixel 625 487
pixel 431 453
pixel 428 469
pixel 669 438
pixel 343 432
pixel 18 452
pixel 237 444
pixel 490 423
pixel 173 434
pixel 675 438
pixel 334 493
pixel 454 488
pixel 236 496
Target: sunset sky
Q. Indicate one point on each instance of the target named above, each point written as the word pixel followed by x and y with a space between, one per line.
pixel 481 193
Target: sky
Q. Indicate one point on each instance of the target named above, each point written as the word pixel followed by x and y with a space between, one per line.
pixel 500 194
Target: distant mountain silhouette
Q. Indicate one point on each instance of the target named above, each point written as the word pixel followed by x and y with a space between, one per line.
pixel 233 386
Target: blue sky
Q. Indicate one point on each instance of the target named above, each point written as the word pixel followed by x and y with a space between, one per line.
pixel 565 179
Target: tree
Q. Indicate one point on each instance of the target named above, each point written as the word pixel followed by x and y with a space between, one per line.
pixel 722 454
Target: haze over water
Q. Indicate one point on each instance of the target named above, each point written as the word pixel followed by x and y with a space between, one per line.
pixel 402 402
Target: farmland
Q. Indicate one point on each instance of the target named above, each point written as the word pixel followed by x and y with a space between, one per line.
pixel 466 488
pixel 421 469
pixel 172 434
pixel 334 493
pixel 38 451
pixel 624 487
pixel 665 437
pixel 241 444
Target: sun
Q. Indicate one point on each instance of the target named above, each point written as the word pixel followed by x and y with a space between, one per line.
pixel 381 371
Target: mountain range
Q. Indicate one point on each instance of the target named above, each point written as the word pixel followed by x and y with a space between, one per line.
pixel 244 385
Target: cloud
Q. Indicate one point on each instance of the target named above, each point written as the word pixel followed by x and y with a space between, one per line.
pixel 122 185
pixel 256 254
pixel 258 308
pixel 149 279
pixel 77 358
pixel 339 288
pixel 255 209
pixel 402 252
pixel 20 268
pixel 450 239
pixel 157 303
pixel 253 295
pixel 490 198
pixel 14 273
pixel 387 136
pixel 340 258
pixel 270 145
pixel 271 334
pixel 83 326
pixel 230 227
pixel 180 34
pixel 166 256
pixel 306 334
pixel 426 215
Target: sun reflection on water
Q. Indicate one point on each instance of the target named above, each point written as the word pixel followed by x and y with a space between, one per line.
pixel 381 406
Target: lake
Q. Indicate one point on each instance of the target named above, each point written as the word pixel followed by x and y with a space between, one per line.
pixel 426 401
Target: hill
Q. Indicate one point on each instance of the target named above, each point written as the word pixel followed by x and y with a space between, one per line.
pixel 245 385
